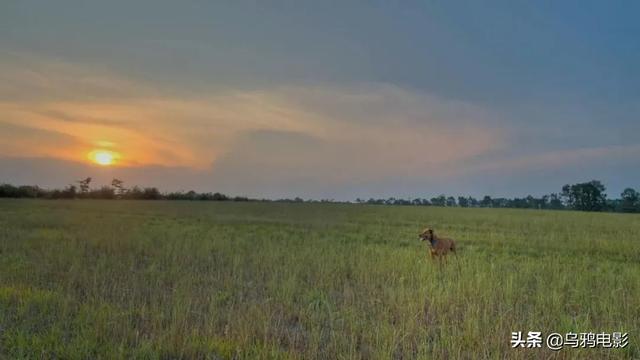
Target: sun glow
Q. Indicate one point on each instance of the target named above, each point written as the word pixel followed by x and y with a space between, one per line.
pixel 103 157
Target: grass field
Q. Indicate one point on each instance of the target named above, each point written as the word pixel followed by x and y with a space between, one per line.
pixel 118 279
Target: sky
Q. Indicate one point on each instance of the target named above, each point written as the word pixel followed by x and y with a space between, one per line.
pixel 322 99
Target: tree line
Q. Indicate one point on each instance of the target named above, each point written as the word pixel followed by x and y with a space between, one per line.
pixel 82 189
pixel 587 196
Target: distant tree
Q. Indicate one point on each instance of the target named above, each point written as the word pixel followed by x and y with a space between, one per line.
pixel 23 191
pixel 630 200
pixel 189 195
pixel 544 202
pixel 568 195
pixel 151 193
pixel 105 192
pixel 28 191
pixel 555 202
pixel 486 201
pixel 473 202
pixel 70 192
pixel 589 196
pixel 118 186
pixel 614 205
pixel 439 201
pixel 518 203
pixel 134 193
pixel 219 197
pixel 499 203
pixel 84 185
pixel 531 202
pixel 8 191
pixel 451 201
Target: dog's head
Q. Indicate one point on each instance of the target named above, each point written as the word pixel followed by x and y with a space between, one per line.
pixel 426 234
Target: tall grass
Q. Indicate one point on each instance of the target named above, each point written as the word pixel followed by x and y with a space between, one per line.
pixel 118 279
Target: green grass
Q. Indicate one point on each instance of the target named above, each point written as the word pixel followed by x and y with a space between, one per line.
pixel 118 279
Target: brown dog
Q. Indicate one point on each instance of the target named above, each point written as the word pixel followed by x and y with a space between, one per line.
pixel 438 246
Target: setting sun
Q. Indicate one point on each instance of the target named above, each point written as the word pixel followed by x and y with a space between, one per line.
pixel 103 157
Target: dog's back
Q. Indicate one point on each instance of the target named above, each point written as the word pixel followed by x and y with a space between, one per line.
pixel 439 246
pixel 442 246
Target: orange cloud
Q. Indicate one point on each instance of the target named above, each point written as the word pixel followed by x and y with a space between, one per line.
pixel 366 131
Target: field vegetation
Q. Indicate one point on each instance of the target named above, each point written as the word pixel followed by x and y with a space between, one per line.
pixel 84 279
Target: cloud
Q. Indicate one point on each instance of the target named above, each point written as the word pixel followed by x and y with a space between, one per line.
pixel 323 140
pixel 28 78
pixel 557 159
pixel 278 141
pixel 374 124
pixel 20 139
pixel 62 116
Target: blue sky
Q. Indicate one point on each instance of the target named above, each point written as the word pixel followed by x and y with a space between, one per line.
pixel 323 99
